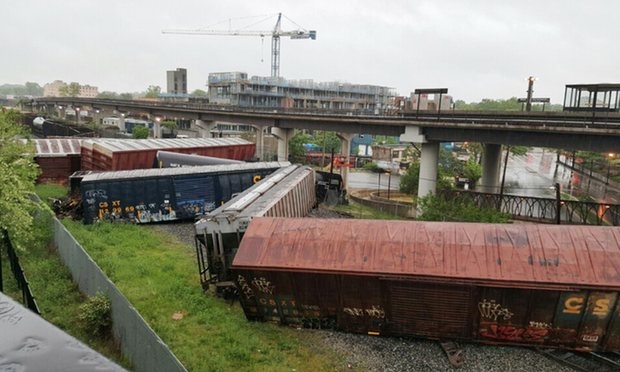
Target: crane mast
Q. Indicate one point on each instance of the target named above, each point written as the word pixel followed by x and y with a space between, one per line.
pixel 276 33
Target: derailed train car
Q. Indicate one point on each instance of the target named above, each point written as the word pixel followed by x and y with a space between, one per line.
pixel 154 195
pixel 287 192
pixel 536 285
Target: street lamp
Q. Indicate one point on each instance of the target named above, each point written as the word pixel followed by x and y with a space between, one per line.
pixel 610 156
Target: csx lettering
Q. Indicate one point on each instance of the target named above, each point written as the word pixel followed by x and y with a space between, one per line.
pixel 116 203
pixel 601 307
pixel 256 178
pixel 103 204
pixel 573 305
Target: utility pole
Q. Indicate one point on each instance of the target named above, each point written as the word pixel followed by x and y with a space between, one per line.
pixel 530 92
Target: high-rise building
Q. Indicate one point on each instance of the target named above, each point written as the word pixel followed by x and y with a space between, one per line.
pixel 177 81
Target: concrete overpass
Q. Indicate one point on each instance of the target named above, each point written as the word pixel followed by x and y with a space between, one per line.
pixel 591 131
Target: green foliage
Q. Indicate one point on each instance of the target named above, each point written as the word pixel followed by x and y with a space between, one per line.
pixel 18 172
pixel 70 90
pixel 28 89
pixel 519 150
pixel 472 170
pixel 140 132
pixel 152 91
pixel 438 208
pixel 410 180
pixel 327 141
pixel 96 316
pixel 170 124
pixel 198 93
pixel 107 95
pixel 126 96
pixel 372 167
pixel 511 104
pixel 296 147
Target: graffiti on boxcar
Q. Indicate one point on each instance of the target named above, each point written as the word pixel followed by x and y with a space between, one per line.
pixel 492 310
pixel 95 194
pixel 373 312
pixel 535 331
pixel 319 323
pixel 263 285
pixel 246 290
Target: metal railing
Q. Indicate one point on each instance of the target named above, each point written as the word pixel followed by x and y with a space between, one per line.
pixel 544 210
pixel 18 273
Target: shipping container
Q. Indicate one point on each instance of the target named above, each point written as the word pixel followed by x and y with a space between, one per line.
pixel 126 154
pixel 550 285
pixel 154 195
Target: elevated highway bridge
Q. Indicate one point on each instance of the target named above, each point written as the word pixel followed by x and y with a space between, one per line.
pixel 583 130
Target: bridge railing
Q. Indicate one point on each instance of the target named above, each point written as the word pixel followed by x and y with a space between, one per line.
pixel 544 209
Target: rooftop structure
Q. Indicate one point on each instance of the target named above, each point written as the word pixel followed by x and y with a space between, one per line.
pixel 235 88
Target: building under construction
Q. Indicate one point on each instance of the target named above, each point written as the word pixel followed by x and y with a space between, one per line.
pixel 235 88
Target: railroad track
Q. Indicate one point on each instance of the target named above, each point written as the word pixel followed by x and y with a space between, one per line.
pixel 587 362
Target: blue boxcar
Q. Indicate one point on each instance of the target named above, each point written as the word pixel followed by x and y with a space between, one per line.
pixel 153 195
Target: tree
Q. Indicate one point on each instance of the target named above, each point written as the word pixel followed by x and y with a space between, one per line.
pixel 326 141
pixel 107 95
pixel 140 132
pixel 153 91
pixel 296 147
pixel 127 96
pixel 198 93
pixel 17 169
pixel 70 90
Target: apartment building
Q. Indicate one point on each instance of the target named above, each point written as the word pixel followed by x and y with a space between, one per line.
pixel 235 88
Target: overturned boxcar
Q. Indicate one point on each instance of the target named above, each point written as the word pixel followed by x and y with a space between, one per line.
pixel 537 285
pixel 287 192
pixel 154 195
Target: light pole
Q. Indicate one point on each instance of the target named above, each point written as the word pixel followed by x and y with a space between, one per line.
pixel 530 92
pixel 610 156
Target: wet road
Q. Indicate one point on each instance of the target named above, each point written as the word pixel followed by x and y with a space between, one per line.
pixel 376 181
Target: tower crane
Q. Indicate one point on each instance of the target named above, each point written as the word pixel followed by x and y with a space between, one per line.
pixel 276 33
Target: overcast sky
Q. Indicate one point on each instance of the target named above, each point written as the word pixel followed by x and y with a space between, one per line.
pixel 476 49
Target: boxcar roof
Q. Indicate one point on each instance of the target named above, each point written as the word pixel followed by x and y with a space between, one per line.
pixel 56 147
pixel 520 253
pixel 158 172
pixel 30 343
pixel 124 145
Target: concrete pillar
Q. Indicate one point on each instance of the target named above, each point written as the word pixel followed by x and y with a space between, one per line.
pixel 345 150
pixel 121 123
pixel 427 183
pixel 491 162
pixel 283 135
pixel 204 127
pixel 260 142
pixel 157 128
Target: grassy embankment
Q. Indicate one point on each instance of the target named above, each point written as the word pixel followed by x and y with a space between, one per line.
pixel 158 275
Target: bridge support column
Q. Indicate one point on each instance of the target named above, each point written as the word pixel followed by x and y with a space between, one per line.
pixel 491 162
pixel 427 183
pixel 204 127
pixel 283 135
pixel 260 142
pixel 345 151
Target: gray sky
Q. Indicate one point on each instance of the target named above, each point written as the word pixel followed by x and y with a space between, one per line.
pixel 475 48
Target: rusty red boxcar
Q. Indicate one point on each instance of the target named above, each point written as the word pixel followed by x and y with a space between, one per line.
pixel 57 158
pixel 127 154
pixel 549 285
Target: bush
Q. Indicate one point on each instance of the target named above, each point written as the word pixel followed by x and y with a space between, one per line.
pixel 372 167
pixel 96 316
